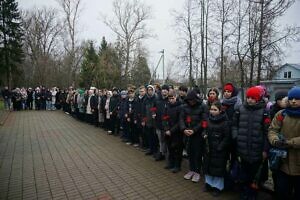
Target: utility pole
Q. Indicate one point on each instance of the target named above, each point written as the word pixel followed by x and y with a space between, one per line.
pixel 163 64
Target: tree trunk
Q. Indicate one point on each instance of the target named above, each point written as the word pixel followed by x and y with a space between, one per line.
pixel 222 44
pixel 261 32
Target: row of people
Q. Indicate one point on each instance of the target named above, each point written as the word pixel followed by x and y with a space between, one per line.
pixel 165 122
pixel 39 98
pixel 226 140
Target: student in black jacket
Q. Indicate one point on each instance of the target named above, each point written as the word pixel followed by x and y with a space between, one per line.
pixel 138 116
pixel 193 121
pixel 173 135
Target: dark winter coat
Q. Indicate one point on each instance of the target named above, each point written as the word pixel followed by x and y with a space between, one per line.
pixel 170 122
pixel 123 107
pixel 218 142
pixel 6 94
pixel 250 124
pixel 161 104
pixel 197 113
pixel 48 95
pixel 139 109
pixel 274 109
pixel 94 102
pixel 114 104
pixel 130 108
pixel 150 104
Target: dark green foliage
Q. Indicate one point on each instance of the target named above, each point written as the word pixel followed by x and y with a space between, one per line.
pixel 88 66
pixel 140 73
pixel 11 36
pixel 108 71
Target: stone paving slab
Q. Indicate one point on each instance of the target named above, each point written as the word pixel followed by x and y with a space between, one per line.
pixel 50 155
pixel 3 116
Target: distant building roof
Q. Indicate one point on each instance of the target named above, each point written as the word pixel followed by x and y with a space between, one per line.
pixel 296 66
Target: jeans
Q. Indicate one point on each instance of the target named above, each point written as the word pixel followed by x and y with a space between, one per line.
pixel 7 104
pixel 48 105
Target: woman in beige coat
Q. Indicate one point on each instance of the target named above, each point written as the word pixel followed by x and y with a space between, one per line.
pixel 284 133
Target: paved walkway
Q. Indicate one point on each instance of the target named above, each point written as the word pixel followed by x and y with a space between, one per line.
pixel 50 155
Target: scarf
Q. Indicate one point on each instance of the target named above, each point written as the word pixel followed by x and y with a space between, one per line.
pixel 293 112
pixel 230 101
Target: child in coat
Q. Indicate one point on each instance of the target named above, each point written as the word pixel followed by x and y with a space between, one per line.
pixel 216 151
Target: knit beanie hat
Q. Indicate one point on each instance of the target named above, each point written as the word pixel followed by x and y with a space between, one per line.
pixel 294 93
pixel 229 87
pixel 280 95
pixel 254 93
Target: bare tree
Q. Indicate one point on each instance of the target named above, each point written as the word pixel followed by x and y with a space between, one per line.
pixel 224 10
pixel 71 11
pixel 42 29
pixel 187 25
pixel 129 23
pixel 269 11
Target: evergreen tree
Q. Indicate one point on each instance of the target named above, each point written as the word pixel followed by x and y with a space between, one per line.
pixel 108 71
pixel 11 36
pixel 140 73
pixel 103 45
pixel 88 66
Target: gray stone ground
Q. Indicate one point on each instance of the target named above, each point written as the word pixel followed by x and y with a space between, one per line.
pixel 50 155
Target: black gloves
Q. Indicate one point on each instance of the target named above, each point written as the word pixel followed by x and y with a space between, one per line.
pixel 281 144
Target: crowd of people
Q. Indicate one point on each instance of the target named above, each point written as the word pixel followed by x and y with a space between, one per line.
pixel 228 142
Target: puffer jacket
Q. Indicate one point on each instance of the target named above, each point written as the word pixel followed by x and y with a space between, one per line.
pixel 289 127
pixel 250 125
pixel 218 141
pixel 197 114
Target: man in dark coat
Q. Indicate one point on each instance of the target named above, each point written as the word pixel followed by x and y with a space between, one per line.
pixel 139 108
pixel 149 120
pixel 173 135
pixel 161 104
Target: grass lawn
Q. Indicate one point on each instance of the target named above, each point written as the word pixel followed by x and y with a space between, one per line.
pixel 1 104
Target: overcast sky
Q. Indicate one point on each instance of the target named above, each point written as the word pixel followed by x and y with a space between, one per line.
pixel 92 27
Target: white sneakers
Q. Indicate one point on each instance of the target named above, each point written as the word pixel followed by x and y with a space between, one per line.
pixel 192 175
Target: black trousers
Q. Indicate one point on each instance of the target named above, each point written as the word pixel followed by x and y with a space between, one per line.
pixel 152 139
pixel 288 187
pixel 195 149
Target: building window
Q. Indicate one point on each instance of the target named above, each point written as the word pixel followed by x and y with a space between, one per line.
pixel 285 75
pixel 289 75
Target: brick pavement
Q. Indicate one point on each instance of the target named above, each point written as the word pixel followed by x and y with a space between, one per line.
pixel 50 155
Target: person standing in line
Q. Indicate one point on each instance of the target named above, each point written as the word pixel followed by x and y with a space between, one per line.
pixel 29 101
pixel 193 122
pixel 250 125
pixel 138 116
pixel 173 135
pixel 53 98
pixel 216 149
pixel 113 111
pixel 149 120
pixel 161 104
pixel 284 133
pixel 6 94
